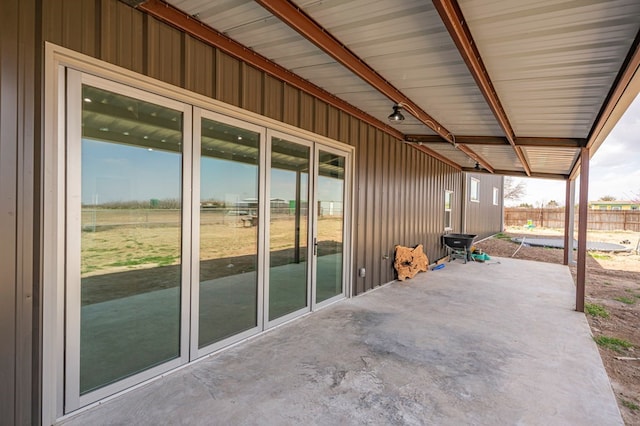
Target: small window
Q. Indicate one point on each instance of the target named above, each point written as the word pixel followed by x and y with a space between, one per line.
pixel 496 196
pixel 475 190
pixel 616 208
pixel 448 202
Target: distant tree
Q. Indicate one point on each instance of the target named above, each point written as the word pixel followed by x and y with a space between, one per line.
pixel 525 206
pixel 635 197
pixel 607 198
pixel 552 204
pixel 513 191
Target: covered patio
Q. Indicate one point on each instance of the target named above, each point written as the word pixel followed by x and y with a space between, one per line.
pixel 481 343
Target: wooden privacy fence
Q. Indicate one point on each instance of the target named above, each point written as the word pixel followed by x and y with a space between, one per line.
pixel 597 220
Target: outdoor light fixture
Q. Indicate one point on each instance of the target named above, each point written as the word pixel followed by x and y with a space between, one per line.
pixel 477 167
pixel 396 115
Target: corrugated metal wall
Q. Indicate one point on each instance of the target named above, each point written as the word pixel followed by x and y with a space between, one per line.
pixel 399 192
pixel 484 218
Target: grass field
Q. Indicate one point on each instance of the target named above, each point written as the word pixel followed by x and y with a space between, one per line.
pixel 118 240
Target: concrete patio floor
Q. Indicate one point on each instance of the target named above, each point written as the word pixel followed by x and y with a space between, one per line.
pixel 476 344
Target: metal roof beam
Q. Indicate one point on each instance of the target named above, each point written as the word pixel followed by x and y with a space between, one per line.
pixel 187 24
pixel 290 14
pixel 455 23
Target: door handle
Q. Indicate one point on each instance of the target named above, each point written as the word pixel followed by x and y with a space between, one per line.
pixel 315 246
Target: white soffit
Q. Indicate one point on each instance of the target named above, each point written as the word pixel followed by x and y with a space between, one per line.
pixel 451 152
pixel 252 26
pixel 500 157
pixel 407 43
pixel 552 62
pixel 559 161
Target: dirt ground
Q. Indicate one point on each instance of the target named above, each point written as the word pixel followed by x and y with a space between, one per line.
pixel 613 293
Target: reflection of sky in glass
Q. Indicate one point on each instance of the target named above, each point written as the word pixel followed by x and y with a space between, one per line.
pixel 283 185
pixel 116 172
pixel 225 180
pixel 330 189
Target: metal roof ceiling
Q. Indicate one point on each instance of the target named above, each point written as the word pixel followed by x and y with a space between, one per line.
pixel 532 82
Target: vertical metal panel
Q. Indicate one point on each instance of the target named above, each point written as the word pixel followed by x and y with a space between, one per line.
pixel 79 20
pixel 384 218
pixel 291 105
pixel 19 113
pixel 165 53
pixel 200 68
pixel 252 93
pixel 320 124
pixel 361 218
pixel 370 207
pixel 484 218
pixel 376 204
pixel 345 122
pixel 228 79
pixel 121 35
pixel 72 24
pixel 333 122
pixel 273 95
pixel 306 111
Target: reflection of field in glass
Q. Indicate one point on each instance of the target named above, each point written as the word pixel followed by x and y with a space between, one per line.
pixel 122 240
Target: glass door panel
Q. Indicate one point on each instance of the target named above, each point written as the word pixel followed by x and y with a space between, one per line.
pixel 229 174
pixel 130 236
pixel 330 196
pixel 288 228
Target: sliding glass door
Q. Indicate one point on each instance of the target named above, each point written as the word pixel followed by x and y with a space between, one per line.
pixel 329 224
pixel 288 283
pixel 185 231
pixel 126 263
pixel 228 210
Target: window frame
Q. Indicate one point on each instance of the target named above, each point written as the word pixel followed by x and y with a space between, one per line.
pixel 474 193
pixel 448 196
pixel 496 196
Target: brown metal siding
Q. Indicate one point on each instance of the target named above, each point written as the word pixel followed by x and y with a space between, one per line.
pixel 200 77
pixel 399 192
pixel 252 92
pixel 19 121
pixel 306 111
pixel 121 40
pixel 291 105
pixel 484 218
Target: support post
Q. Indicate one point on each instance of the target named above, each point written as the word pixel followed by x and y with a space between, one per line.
pixel 582 229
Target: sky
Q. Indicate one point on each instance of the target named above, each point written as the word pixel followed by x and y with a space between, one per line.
pixel 614 169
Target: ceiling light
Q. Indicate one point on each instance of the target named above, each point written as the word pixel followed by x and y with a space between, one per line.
pixel 477 167
pixel 396 116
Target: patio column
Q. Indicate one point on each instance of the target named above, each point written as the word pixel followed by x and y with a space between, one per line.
pixel 582 228
pixel 570 200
